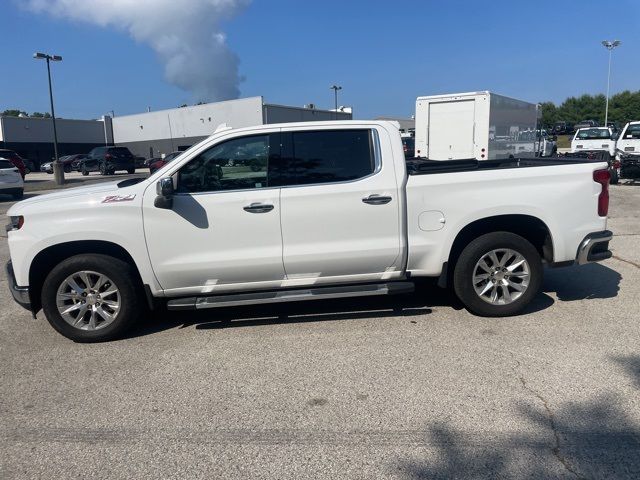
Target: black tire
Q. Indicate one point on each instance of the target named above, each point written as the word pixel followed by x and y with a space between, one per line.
pixel 131 171
pixel 84 170
pixel 615 178
pixel 471 255
pixel 67 169
pixel 122 275
pixel 103 169
pixel 18 195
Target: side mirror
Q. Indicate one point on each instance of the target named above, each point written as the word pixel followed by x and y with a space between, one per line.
pixel 164 190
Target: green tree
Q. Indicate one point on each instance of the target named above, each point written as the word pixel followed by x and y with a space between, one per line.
pixel 623 107
pixel 12 113
pixel 549 114
pixel 41 115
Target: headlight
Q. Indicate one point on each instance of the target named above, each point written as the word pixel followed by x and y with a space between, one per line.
pixel 15 223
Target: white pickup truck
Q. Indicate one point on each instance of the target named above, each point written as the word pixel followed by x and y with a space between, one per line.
pixel 302 211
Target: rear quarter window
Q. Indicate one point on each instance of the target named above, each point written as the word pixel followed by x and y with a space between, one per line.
pixel 6 164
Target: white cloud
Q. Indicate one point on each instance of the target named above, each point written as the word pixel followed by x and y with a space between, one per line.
pixel 185 34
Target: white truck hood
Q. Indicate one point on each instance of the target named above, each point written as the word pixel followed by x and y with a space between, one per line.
pixel 99 191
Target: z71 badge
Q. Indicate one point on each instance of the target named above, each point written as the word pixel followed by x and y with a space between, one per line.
pixel 119 198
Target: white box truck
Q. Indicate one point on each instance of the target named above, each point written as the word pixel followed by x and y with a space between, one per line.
pixel 480 125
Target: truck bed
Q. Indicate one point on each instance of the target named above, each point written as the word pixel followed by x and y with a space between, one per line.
pixel 422 166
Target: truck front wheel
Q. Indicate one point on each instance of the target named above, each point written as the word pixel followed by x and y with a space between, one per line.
pixel 498 274
pixel 91 297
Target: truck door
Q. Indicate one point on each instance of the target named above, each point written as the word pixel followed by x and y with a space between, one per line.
pixel 451 130
pixel 340 206
pixel 223 232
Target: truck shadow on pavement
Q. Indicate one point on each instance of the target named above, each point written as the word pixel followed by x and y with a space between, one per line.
pixel 583 282
pixel 592 439
pixel 574 283
pixel 419 303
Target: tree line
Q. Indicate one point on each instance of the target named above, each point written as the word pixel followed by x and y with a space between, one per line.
pixel 623 107
pixel 16 113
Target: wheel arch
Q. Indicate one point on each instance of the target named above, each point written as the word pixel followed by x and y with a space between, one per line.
pixel 527 226
pixel 51 256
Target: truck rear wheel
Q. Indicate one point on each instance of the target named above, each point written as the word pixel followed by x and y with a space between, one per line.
pixel 498 274
pixel 91 298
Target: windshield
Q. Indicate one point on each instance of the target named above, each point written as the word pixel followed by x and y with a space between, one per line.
pixel 633 131
pixel 593 134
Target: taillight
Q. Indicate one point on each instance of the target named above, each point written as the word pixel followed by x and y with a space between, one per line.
pixel 616 164
pixel 108 156
pixel 404 147
pixel 602 177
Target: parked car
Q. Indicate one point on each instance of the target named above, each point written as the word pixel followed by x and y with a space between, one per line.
pixel 336 212
pixel 594 139
pixel 562 128
pixel 139 161
pixel 66 161
pixel 546 145
pixel 15 159
pixel 158 163
pixel 11 181
pixel 409 146
pixel 108 160
pixel 71 162
pixel 29 166
pixel 628 150
pixel 586 124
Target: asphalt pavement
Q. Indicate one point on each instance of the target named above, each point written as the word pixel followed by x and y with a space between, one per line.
pixel 398 387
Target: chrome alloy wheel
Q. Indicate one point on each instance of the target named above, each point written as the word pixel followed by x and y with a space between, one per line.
pixel 501 276
pixel 88 300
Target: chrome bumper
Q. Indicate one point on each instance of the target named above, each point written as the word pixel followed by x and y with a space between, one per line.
pixel 594 247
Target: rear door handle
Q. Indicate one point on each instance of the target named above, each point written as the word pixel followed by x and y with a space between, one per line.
pixel 376 199
pixel 258 208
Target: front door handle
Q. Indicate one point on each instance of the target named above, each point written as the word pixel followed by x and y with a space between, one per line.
pixel 258 208
pixel 376 199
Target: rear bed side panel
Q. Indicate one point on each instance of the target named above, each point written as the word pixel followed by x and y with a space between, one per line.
pixel 564 197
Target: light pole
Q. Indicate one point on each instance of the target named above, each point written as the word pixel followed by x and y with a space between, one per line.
pixel 335 89
pixel 58 172
pixel 609 46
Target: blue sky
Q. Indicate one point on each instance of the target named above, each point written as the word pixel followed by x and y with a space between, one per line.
pixel 383 54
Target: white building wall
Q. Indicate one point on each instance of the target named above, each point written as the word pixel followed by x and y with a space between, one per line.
pixel 40 130
pixel 192 121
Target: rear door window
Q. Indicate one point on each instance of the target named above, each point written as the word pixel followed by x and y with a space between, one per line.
pixel 329 156
pixel 6 164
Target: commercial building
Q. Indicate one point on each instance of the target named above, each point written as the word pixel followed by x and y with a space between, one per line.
pixel 151 134
pixel 32 137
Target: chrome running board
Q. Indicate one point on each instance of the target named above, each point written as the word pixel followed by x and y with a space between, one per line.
pixel 297 295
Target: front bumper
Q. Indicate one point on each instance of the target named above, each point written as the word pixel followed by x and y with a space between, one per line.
pixel 20 294
pixel 594 247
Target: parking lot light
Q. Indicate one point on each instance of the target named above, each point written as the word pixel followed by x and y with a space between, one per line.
pixel 609 46
pixel 58 171
pixel 335 89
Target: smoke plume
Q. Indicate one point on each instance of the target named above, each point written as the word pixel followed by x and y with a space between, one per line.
pixel 185 34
